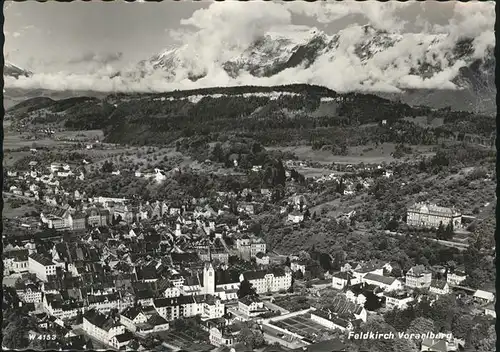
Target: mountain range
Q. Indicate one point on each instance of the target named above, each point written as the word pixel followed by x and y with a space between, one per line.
pixel 435 70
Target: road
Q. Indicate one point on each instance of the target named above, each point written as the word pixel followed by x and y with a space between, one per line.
pixel 459 246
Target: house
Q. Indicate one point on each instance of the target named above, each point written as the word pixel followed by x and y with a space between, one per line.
pixel 418 277
pixel 122 340
pixel 251 306
pixel 97 217
pixel 356 297
pixel 341 306
pixel 101 327
pixel 30 294
pixel 16 261
pixel 341 280
pixel 397 299
pixel 248 247
pixel 224 336
pixel 295 217
pixel 262 259
pixel 456 277
pixel 59 166
pixel 484 296
pixel 57 306
pixel 368 268
pixel 297 265
pixel 490 310
pixel 435 345
pixel 439 287
pixel 384 282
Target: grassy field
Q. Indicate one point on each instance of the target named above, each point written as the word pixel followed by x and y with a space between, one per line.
pixel 366 154
pixel 10 213
pixel 80 135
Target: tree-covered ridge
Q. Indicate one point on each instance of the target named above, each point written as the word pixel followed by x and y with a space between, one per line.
pixel 283 115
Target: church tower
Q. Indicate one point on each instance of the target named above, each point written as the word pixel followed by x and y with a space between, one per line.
pixel 208 279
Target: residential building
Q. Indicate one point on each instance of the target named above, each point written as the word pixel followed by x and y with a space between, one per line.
pixel 97 216
pixel 16 261
pixel 490 310
pixel 484 296
pixel 439 287
pixel 368 268
pixel 133 316
pixel 431 215
pixel 295 217
pixel 224 336
pixel 456 277
pixel 397 299
pixel 341 280
pixel 418 277
pixel 297 265
pixel 102 327
pixel 30 294
pixel 122 340
pixel 386 283
pixel 261 259
pixel 251 306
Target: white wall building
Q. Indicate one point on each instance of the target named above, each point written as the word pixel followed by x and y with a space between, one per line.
pixel 41 266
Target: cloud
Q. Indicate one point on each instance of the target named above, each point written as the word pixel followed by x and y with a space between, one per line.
pixel 16 34
pixel 100 58
pixel 224 31
pixel 380 15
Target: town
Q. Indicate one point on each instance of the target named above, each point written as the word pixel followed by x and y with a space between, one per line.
pixel 135 272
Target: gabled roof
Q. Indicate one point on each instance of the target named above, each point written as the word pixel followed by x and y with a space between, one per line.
pixel 439 284
pixel 435 345
pixel 125 337
pixel 484 294
pixel 386 280
pixel 156 320
pixel 131 312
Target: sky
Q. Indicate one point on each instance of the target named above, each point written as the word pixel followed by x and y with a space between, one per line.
pixel 89 37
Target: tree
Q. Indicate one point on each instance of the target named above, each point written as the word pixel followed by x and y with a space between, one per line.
pixel 218 153
pixel 448 233
pixel 107 167
pixel 251 338
pixel 246 289
pixel 307 214
pixel 325 261
pixel 421 325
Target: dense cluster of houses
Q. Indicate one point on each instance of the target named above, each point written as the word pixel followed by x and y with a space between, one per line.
pixel 43 183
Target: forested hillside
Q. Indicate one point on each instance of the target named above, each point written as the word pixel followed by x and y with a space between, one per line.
pixel 283 115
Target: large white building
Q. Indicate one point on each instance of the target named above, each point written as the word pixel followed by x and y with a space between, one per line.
pixel 250 306
pixel 431 215
pixel 102 327
pixel 456 277
pixel 41 266
pixel 269 281
pixel 397 299
pixel 249 247
pixel 384 282
pixel 206 306
pixel 418 277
